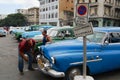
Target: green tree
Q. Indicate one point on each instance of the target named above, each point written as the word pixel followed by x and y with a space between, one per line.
pixel 17 19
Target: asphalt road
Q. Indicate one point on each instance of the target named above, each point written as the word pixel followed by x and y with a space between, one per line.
pixel 9 62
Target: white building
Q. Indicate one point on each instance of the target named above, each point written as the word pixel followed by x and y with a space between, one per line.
pixel 54 12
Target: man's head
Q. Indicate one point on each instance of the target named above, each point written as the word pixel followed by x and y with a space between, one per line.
pixel 29 42
pixel 44 32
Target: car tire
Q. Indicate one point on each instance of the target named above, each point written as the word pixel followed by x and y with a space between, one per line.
pixel 72 72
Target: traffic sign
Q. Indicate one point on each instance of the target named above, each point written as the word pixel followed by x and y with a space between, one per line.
pixel 80 21
pixel 82 10
pixel 84 30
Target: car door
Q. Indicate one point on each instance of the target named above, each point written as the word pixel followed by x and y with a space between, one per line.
pixel 108 58
pixel 111 52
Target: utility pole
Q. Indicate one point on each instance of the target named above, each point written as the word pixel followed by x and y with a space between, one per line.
pixel 39 12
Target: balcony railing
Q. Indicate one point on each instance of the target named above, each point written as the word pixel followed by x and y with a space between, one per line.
pixel 110 4
pixel 94 4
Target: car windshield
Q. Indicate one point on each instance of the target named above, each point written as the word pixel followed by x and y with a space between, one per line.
pixel 96 37
pixel 53 33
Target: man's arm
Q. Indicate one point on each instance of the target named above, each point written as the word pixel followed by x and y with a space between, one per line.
pixel 49 39
pixel 23 56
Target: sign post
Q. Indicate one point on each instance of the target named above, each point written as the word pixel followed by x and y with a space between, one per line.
pixel 82 29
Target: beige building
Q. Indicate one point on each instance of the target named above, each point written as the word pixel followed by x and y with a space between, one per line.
pixel 22 11
pixel 32 15
pixel 56 12
pixel 101 12
pixel 104 12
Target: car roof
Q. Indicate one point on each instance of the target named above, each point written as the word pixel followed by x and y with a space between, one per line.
pixel 107 29
pixel 61 28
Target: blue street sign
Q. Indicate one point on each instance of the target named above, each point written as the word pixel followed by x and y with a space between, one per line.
pixel 82 10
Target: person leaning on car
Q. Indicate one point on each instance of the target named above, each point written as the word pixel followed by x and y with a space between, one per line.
pixel 46 38
pixel 26 46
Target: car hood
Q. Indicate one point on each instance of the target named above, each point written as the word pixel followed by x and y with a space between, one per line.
pixel 68 47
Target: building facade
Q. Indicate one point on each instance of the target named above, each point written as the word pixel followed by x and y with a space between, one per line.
pixel 104 12
pixel 60 12
pixel 22 11
pixel 32 15
pixel 56 12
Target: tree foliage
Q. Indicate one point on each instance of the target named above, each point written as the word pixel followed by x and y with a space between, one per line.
pixel 17 19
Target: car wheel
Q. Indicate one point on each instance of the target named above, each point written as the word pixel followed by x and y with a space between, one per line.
pixel 71 73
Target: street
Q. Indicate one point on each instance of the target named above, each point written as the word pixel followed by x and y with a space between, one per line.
pixel 9 62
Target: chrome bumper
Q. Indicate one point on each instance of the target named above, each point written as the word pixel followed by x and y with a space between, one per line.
pixel 43 67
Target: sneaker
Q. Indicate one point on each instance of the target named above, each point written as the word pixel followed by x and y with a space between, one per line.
pixel 31 69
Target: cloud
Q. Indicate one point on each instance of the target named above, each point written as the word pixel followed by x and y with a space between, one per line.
pixel 10 6
pixel 23 3
pixel 31 3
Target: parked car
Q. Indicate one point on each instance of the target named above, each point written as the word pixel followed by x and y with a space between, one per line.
pixel 35 30
pixel 18 34
pixel 3 32
pixel 65 58
pixel 56 34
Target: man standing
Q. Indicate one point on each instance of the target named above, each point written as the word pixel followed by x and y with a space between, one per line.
pixel 46 38
pixel 25 47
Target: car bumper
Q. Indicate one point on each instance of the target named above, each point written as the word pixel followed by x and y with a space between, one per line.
pixel 48 71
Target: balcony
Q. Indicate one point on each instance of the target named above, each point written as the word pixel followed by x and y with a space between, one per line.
pixel 94 4
pixel 108 16
pixel 109 4
pixel 117 7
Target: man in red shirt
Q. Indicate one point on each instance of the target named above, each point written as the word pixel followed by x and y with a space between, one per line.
pixel 26 46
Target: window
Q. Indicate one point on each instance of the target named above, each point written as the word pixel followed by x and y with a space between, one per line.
pixel 93 1
pixel 52 7
pixel 93 11
pixel 96 37
pixel 114 37
pixel 56 7
pixel 49 16
pixel 56 15
pixel 66 34
pixel 52 15
pixel 107 11
pixel 52 0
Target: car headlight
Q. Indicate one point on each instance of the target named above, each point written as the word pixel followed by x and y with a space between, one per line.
pixel 38 56
pixel 53 60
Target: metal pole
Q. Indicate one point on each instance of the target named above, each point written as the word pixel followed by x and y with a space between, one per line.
pixel 75 2
pixel 39 12
pixel 84 56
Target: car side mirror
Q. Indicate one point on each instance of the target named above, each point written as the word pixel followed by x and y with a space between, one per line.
pixel 106 42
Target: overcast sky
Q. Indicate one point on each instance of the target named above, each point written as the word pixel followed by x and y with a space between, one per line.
pixel 10 6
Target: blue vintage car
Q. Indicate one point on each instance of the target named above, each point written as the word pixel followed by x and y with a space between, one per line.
pixel 35 30
pixel 65 58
